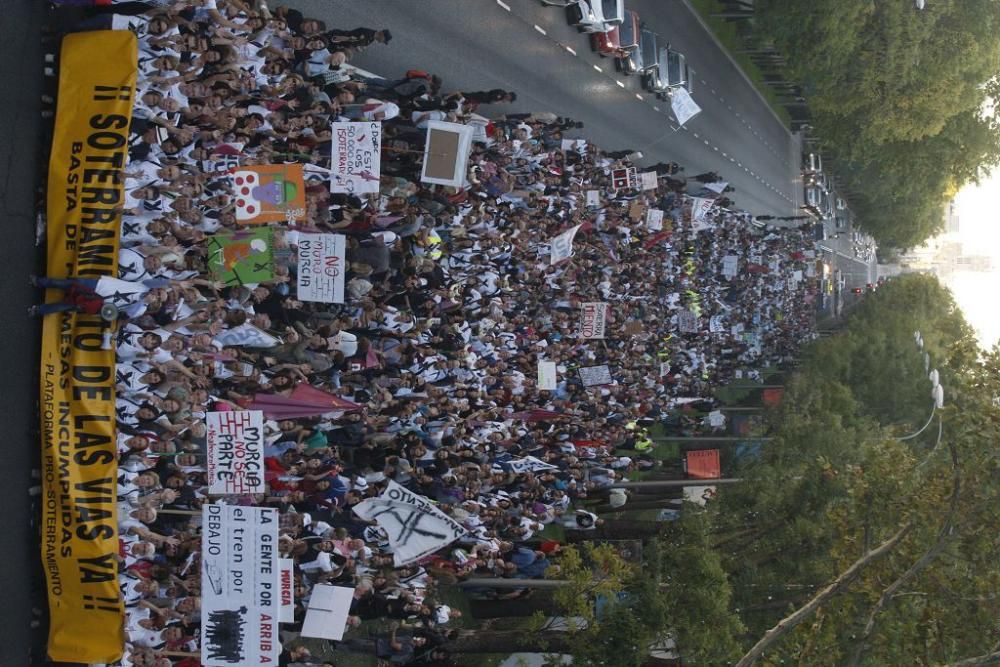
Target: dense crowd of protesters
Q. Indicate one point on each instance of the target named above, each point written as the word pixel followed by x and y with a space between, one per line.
pixel 451 302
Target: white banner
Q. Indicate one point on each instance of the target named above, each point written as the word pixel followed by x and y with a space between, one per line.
pixel 654 219
pixel 528 464
pixel 356 163
pixel 700 495
pixel 683 105
pixel 687 322
pixel 326 617
pixel 730 266
pixel 286 598
pixel 561 246
pixel 716 419
pixel 700 207
pixel 547 379
pixel 647 180
pixel 578 145
pixel 595 376
pixel 235 452
pixel 718 187
pixel 414 526
pixel 322 266
pixel 593 319
pixel 239 586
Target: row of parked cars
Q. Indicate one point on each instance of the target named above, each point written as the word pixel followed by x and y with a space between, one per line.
pixel 619 33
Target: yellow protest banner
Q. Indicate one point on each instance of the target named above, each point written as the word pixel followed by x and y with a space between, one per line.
pixel 79 450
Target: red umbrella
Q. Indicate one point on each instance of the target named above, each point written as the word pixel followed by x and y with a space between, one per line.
pixel 536 415
pixel 305 401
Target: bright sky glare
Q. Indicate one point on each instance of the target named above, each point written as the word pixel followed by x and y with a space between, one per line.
pixel 977 292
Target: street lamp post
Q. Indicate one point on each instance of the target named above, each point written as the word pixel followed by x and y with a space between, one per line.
pixel 937 391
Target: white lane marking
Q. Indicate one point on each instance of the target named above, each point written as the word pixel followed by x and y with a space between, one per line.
pixel 696 136
pixel 706 142
pixel 504 5
pixel 673 128
pixel 598 68
pixel 655 108
pixel 540 29
pixel 638 97
pixel 571 50
pixel 620 84
pixel 716 148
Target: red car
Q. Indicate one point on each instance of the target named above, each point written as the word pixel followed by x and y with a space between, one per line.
pixel 618 41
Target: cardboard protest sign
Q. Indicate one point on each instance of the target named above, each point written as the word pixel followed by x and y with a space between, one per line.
pixel 683 105
pixel 593 198
pixel 595 376
pixel 687 322
pixel 647 180
pixel 703 464
pixel 654 219
pixel 269 193
pixel 414 526
pixel 730 266
pixel 321 267
pixel 547 379
pixel 664 368
pixel 634 327
pixel 624 178
pixel 286 598
pixel 235 452
pixel 356 161
pixel 326 617
pixel 716 419
pixel 578 145
pixel 593 319
pixel 699 495
pixel 700 208
pixel 446 153
pixel 239 586
pixel 561 246
pixel 715 324
pixel 241 257
pixel 717 187
pixel 636 210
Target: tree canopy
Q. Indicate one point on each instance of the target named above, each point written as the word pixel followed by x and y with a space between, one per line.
pixel 884 549
pixel 898 96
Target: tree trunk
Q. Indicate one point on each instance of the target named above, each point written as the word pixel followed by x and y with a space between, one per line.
pixel 661 662
pixel 510 641
pixel 512 608
pixel 840 583
pixel 679 483
pixel 499 582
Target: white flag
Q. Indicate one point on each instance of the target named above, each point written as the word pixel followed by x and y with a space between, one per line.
pixel 414 526
pixel 683 105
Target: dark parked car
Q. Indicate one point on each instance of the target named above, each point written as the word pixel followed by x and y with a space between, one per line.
pixel 644 57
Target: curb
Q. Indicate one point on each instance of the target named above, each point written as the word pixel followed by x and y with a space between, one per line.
pixel 722 47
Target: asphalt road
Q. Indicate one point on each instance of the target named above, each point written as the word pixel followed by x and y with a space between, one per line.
pixel 21 141
pixel 529 48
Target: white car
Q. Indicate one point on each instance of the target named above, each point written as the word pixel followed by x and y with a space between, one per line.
pixel 595 15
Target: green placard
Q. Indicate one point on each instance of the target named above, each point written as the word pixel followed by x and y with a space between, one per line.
pixel 241 257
